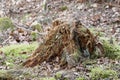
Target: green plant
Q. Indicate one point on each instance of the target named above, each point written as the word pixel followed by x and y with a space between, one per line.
pixel 97 31
pixel 99 73
pixel 49 78
pixel 58 75
pixel 17 48
pixel 111 51
pixel 16 52
pixel 37 26
pixel 63 8
pixel 5 76
pixel 80 78
pixel 34 35
pixel 5 23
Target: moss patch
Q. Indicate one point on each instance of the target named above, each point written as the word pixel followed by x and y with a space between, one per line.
pixel 99 73
pixel 17 52
pixel 63 8
pixel 34 35
pixel 50 78
pixel 18 48
pixel 80 78
pixel 5 23
pixel 37 26
pixel 5 76
pixel 112 51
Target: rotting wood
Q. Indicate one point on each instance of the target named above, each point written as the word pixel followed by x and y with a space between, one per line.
pixel 65 38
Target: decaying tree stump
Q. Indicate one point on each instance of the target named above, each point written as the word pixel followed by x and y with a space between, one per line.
pixel 65 38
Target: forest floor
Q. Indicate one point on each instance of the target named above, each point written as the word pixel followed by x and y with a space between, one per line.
pixel 17 44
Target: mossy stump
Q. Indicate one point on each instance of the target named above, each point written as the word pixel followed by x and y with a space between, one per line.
pixel 65 39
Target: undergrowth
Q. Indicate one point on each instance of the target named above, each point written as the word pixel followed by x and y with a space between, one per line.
pixel 17 52
pixel 100 74
pixel 112 51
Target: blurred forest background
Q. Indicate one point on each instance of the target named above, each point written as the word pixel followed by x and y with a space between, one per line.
pixel 25 23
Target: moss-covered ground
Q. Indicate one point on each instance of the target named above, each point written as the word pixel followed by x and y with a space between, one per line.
pixel 12 56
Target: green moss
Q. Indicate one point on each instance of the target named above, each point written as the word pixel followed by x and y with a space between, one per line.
pixel 18 48
pixel 89 62
pixel 14 52
pixel 99 73
pixel 58 75
pixel 97 31
pixel 49 78
pixel 76 56
pixel 5 23
pixel 37 26
pixel 13 74
pixel 34 35
pixel 5 76
pixel 63 8
pixel 80 78
pixel 111 51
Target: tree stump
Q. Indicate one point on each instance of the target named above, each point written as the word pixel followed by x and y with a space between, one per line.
pixel 65 39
